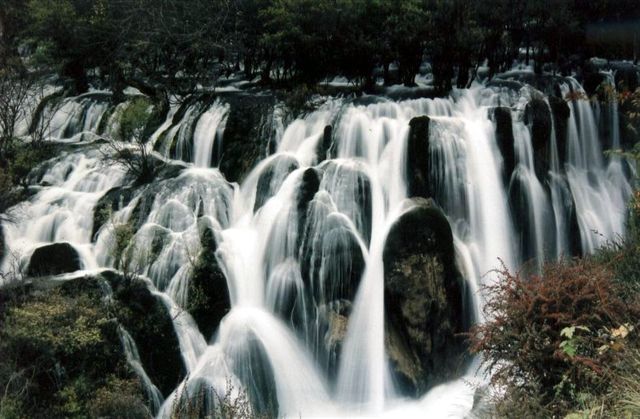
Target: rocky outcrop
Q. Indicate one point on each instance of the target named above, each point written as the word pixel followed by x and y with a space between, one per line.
pixel 149 322
pixel 1 243
pixel 208 293
pixel 350 188
pixel 537 116
pixel 626 78
pixel 324 145
pixel 114 200
pixel 418 157
pixel 501 117
pixel 54 259
pixel 307 189
pixel 247 135
pixel 561 113
pixel 424 297
pixel 272 178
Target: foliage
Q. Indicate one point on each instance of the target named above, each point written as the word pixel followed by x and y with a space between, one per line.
pixel 162 45
pixel 206 401
pixel 15 93
pixel 119 399
pixel 59 349
pixel 551 337
pixel 129 148
pixel 21 159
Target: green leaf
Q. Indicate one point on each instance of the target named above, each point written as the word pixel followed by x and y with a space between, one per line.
pixel 568 348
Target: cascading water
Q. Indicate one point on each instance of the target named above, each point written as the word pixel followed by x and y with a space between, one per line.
pixel 301 241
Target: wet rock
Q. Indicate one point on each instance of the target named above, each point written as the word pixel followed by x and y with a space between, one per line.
pixel 537 116
pixel 337 320
pixel 149 322
pixel 307 189
pixel 424 297
pixel 54 259
pixel 114 200
pixel 350 189
pixel 325 144
pixel 545 83
pixel 247 134
pixel 626 78
pixel 591 81
pixel 272 177
pixel 331 260
pixel 1 243
pixel 254 369
pixel 418 157
pixel 501 116
pixel 208 293
pixel 561 113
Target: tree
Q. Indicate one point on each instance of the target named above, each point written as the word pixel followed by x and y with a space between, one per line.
pixel 15 92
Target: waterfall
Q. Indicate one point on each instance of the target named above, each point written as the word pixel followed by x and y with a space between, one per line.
pixel 133 358
pixel 300 242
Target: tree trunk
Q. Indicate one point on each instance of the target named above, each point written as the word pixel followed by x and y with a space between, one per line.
pixel 76 71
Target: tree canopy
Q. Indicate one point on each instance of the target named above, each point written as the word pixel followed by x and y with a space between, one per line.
pixel 180 44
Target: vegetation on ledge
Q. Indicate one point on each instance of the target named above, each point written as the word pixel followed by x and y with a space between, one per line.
pixel 566 342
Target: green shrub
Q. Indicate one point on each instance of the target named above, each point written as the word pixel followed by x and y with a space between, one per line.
pixel 135 159
pixel 57 349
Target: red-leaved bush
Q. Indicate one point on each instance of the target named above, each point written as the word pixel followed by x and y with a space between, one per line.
pixel 553 336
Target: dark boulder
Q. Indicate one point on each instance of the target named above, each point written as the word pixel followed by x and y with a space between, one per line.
pixel 501 117
pixel 561 113
pixel 149 322
pixel 247 135
pixel 208 294
pixel 54 259
pixel 626 78
pixel 591 81
pixel 424 299
pixel 324 145
pixel 537 116
pixel 418 157
pixel 272 177
pixel 307 189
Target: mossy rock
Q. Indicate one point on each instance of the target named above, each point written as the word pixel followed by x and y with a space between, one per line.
pixel 209 299
pixel 112 201
pixel 424 299
pixel 149 322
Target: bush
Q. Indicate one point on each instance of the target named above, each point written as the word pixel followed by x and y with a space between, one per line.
pixel 57 349
pixel 135 158
pixel 118 399
pixel 204 401
pixel 551 339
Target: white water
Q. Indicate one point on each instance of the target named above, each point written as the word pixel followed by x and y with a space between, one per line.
pixel 284 261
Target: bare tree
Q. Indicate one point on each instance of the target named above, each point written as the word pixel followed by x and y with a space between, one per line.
pixel 15 92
